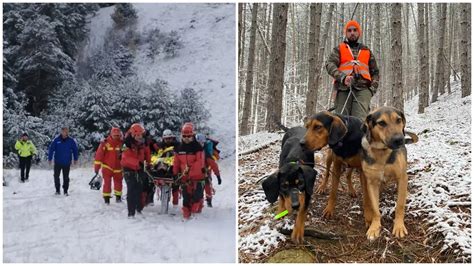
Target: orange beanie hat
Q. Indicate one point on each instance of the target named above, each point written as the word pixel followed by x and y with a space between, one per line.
pixel 353 23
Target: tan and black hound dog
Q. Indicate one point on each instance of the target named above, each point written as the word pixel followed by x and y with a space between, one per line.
pixel 384 156
pixel 324 182
pixel 294 181
pixel 343 134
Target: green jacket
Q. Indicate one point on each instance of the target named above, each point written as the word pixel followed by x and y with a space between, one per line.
pixel 332 65
pixel 25 148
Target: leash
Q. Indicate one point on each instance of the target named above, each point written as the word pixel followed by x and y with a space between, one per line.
pixel 347 99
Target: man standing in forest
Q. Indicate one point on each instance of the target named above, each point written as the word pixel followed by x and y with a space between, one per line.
pixel 355 73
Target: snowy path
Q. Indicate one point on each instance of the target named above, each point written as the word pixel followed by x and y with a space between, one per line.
pixel 41 227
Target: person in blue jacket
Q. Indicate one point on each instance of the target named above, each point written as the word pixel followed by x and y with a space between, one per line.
pixel 63 148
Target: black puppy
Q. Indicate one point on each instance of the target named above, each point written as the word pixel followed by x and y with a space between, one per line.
pixel 294 181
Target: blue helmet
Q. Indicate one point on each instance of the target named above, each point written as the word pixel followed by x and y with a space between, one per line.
pixel 200 138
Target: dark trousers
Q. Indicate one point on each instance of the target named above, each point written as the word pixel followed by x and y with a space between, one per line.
pixel 25 164
pixel 57 171
pixel 134 180
pixel 192 193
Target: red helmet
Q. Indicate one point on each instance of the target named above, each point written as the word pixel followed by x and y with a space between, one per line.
pixel 136 129
pixel 115 131
pixel 187 129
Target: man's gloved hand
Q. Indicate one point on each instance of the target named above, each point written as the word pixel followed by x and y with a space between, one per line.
pixel 219 180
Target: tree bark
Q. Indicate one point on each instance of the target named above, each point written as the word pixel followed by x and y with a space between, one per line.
pixel 276 70
pixel 422 59
pixel 397 85
pixel 244 124
pixel 439 85
pixel 465 50
pixel 313 39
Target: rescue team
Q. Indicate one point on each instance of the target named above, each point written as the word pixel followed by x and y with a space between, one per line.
pixel 133 157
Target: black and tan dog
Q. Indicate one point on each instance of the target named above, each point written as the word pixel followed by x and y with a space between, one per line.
pixel 293 183
pixel 385 156
pixel 343 134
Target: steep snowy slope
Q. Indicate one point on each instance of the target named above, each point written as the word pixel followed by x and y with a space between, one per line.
pixel 206 62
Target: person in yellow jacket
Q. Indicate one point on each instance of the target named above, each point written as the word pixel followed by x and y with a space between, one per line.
pixel 25 149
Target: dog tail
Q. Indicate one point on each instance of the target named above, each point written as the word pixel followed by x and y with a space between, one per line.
pixel 413 137
pixel 281 126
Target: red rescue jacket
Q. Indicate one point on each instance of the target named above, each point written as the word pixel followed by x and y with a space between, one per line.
pixel 107 155
pixel 189 156
pixel 211 163
pixel 135 154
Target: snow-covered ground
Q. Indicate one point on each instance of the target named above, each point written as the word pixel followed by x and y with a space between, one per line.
pixel 257 140
pixel 439 166
pixel 206 62
pixel 39 226
pixel 442 164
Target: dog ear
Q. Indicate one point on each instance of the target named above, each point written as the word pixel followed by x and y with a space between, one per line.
pixel 271 187
pixel 367 126
pixel 402 115
pixel 309 178
pixel 337 131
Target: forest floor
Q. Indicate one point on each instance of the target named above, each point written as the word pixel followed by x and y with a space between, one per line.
pixel 438 212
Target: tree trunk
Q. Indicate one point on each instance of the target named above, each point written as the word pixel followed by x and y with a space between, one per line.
pixel 244 124
pixel 322 44
pixel 241 11
pixel 397 86
pixel 439 58
pixel 465 50
pixel 422 59
pixel 313 39
pixel 426 100
pixel 276 70
pixel 447 55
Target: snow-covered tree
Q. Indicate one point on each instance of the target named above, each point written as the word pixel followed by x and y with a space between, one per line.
pixel 124 14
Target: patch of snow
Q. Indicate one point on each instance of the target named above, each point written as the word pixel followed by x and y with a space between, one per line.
pixel 42 227
pixel 441 161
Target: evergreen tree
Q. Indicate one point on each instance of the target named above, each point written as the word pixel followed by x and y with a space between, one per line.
pixel 42 65
pixel 124 14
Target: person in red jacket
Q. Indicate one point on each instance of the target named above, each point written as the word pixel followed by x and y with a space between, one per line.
pixel 107 157
pixel 211 166
pixel 135 156
pixel 189 164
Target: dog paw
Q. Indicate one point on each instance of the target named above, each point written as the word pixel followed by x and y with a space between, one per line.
pixel 328 212
pixel 399 230
pixel 373 232
pixel 297 236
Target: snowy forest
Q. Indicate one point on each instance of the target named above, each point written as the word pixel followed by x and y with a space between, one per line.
pixel 283 49
pixel 423 54
pixel 51 81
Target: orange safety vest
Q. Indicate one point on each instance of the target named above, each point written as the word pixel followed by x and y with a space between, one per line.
pixel 349 65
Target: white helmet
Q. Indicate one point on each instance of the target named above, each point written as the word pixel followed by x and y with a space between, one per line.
pixel 167 134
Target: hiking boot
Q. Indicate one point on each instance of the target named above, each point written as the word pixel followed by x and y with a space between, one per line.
pixel 186 213
pixel 66 194
pixel 107 200
pixel 57 193
pixel 209 202
pixel 22 180
pixel 118 199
